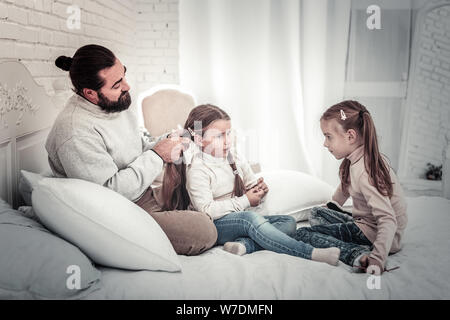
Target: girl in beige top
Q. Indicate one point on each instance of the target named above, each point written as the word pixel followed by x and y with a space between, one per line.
pixel 378 218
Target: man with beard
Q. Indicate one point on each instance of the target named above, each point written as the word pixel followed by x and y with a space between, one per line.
pixel 96 138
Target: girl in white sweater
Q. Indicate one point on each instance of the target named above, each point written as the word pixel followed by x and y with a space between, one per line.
pixel 224 186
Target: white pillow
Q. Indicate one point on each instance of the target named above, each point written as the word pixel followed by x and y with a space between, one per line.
pixel 28 181
pixel 110 229
pixel 293 193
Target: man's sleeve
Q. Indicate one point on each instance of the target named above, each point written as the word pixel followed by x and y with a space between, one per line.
pixel 87 158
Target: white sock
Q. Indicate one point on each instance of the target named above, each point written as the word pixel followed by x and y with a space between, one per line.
pixel 235 248
pixel 356 262
pixel 328 255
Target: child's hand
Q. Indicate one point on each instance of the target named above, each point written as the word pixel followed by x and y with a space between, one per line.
pixel 372 266
pixel 262 185
pixel 254 196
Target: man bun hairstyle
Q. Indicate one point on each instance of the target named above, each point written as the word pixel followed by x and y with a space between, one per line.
pixel 64 63
pixel 85 66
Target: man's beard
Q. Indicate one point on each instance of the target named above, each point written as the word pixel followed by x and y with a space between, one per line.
pixel 109 106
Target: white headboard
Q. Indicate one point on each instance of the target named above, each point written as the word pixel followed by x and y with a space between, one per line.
pixel 27 114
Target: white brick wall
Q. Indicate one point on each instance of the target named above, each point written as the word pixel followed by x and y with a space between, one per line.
pixel 157 43
pixel 430 109
pixel 142 33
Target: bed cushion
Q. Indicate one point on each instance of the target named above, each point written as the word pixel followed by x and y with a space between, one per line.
pixel 35 264
pixel 293 193
pixel 110 229
pixel 27 181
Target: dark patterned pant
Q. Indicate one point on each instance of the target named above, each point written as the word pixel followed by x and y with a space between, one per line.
pixel 331 228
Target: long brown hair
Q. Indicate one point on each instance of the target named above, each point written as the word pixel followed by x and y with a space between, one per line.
pixel 359 119
pixel 174 193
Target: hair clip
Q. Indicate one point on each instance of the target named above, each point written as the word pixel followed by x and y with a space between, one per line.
pixel 343 115
pixel 236 172
pixel 191 132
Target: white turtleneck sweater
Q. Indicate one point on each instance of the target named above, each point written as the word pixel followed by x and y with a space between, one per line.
pixel 105 148
pixel 210 184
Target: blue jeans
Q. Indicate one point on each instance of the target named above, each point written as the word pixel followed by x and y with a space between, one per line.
pixel 331 228
pixel 258 233
pixel 285 224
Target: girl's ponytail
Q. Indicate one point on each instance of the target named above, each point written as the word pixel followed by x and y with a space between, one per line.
pixel 174 193
pixel 239 187
pixel 376 166
pixel 344 174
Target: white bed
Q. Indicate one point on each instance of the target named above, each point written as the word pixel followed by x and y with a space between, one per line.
pixel 424 271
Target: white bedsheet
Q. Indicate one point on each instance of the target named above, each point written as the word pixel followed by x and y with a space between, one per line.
pixel 424 270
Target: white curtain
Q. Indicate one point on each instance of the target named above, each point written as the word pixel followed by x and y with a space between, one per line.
pixel 274 66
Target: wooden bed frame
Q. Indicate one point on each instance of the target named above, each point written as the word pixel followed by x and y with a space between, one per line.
pixel 27 114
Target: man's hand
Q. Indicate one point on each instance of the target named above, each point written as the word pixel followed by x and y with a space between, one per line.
pixel 179 132
pixel 170 149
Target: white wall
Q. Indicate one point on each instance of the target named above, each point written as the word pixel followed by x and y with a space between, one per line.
pixel 157 35
pixel 429 119
pixel 142 33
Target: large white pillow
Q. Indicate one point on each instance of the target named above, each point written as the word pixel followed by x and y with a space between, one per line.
pixel 110 229
pixel 29 180
pixel 293 193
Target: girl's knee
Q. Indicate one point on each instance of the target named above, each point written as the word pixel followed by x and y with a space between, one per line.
pixel 291 224
pixel 302 233
pixel 315 211
pixel 249 215
pixel 290 219
pixel 254 218
pixel 315 216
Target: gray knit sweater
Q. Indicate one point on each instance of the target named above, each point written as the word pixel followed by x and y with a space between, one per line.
pixel 105 148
